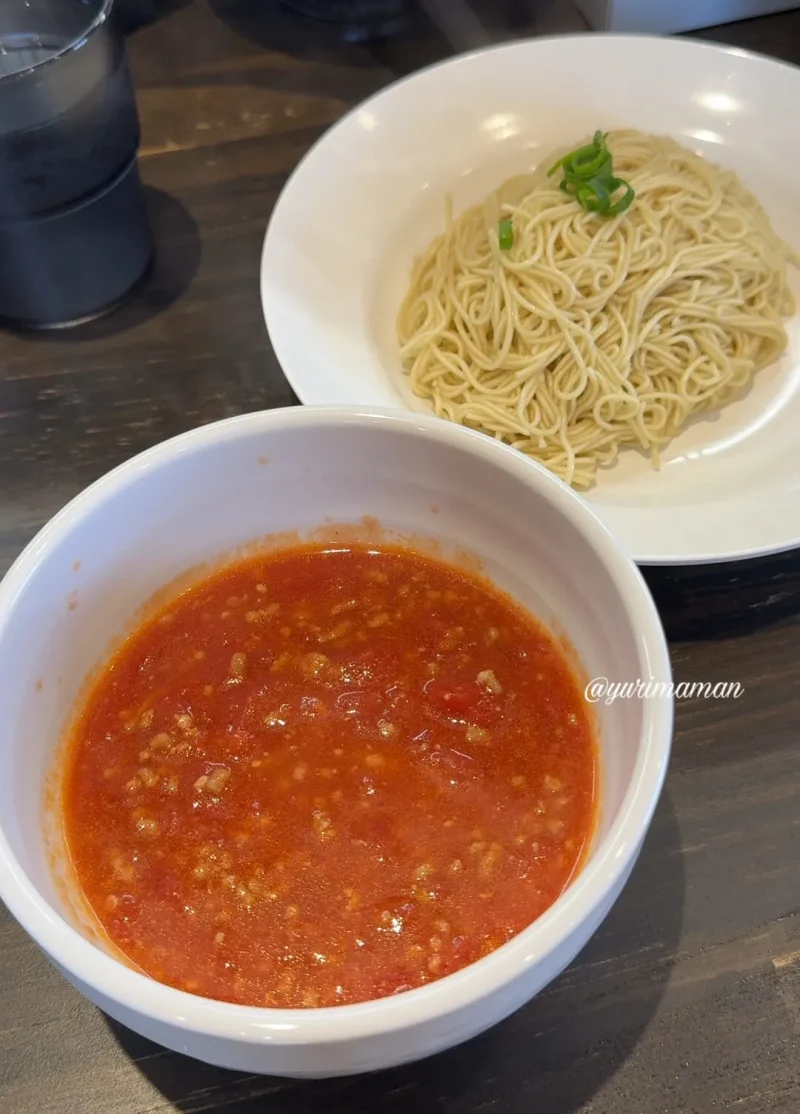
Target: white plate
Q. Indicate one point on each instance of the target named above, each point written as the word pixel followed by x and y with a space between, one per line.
pixel 369 196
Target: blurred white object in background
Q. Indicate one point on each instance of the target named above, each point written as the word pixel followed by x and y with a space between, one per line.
pixel 671 16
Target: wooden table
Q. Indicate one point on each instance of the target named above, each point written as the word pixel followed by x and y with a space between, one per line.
pixel 688 999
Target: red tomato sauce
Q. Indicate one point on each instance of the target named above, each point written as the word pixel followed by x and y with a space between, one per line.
pixel 325 776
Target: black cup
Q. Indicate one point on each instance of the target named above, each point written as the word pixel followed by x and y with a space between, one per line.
pixel 360 20
pixel 74 235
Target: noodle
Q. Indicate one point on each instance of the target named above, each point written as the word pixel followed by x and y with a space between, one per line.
pixel 590 334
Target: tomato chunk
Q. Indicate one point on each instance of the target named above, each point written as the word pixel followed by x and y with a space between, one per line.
pixel 457 699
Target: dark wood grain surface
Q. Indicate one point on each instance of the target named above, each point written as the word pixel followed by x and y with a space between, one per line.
pixel 688 999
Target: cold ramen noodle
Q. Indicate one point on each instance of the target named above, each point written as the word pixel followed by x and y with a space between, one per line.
pixel 323 776
pixel 597 303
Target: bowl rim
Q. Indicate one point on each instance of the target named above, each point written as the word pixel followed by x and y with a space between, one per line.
pixel 113 980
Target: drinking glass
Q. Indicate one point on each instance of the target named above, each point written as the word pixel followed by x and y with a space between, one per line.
pixel 74 234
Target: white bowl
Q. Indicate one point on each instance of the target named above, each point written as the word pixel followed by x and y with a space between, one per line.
pixel 193 498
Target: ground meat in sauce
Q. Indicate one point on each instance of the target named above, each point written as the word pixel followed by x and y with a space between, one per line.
pixel 325 776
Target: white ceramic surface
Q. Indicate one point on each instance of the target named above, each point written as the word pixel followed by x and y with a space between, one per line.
pixel 369 197
pixel 198 496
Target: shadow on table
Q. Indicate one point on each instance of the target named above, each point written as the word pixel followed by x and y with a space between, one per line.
pixel 724 600
pixel 177 255
pixel 549 1058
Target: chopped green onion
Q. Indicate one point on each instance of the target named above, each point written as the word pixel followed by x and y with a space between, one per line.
pixel 505 234
pixel 588 177
pixel 593 196
pixel 587 161
pixel 624 202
